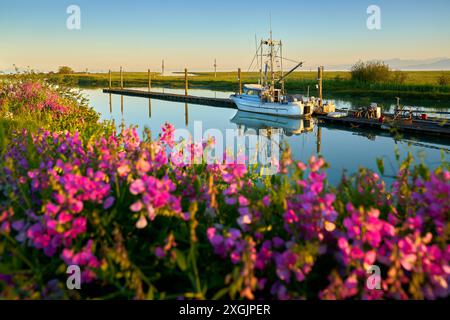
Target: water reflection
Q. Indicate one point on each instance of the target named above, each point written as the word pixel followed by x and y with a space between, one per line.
pixel 256 121
pixel 250 124
pixel 344 148
pixel 319 139
pixel 149 108
pixel 110 103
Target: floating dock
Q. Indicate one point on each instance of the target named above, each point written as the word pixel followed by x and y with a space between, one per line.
pixel 422 127
pixel 432 127
pixel 206 101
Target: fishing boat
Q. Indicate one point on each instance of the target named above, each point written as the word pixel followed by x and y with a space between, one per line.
pixel 260 99
pixel 265 97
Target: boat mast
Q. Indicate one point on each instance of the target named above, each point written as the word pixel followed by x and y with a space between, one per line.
pixel 257 61
pixel 272 74
pixel 261 65
pixel 281 65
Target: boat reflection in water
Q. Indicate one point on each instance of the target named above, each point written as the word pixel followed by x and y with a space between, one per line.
pixel 264 137
pixel 257 121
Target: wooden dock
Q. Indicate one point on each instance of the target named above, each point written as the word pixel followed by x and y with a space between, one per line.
pixel 417 127
pixel 422 127
pixel 206 101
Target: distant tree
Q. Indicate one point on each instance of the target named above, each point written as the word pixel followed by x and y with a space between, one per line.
pixel 370 72
pixel 65 70
pixel 444 79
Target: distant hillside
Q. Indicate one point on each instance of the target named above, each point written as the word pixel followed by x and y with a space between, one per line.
pixel 443 64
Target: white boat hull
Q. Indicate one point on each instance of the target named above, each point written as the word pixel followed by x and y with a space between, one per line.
pixel 294 109
pixel 259 121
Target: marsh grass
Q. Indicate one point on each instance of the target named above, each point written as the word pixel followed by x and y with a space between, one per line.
pixel 411 84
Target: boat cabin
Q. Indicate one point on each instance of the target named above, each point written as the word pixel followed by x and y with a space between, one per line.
pixel 258 90
pixel 253 89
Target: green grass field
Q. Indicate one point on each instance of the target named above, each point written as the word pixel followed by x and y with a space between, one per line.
pixel 417 85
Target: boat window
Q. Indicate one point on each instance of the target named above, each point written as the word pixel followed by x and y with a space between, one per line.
pixel 252 92
pixel 276 95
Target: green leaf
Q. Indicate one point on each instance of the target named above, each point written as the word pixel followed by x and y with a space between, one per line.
pixel 220 294
pixel 181 260
pixel 380 165
pixel 151 293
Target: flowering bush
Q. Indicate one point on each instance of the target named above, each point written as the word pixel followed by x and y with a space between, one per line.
pixel 31 104
pixel 142 226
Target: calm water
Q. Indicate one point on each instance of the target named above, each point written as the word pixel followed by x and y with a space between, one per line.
pixel 344 149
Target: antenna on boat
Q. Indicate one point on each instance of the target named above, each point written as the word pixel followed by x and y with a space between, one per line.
pixel 261 64
pixel 281 66
pixel 257 60
pixel 272 75
pixel 270 24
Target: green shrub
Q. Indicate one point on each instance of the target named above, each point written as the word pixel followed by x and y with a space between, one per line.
pixel 370 72
pixel 65 70
pixel 444 80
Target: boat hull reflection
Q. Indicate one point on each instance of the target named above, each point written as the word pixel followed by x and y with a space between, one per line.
pixel 257 121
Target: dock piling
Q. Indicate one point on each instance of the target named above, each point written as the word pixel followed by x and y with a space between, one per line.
pixel 215 68
pixel 320 87
pixel 398 104
pixel 110 78
pixel 186 85
pixel 149 81
pixel 240 80
pixel 121 78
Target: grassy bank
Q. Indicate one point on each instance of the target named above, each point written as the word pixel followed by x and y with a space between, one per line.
pixel 415 85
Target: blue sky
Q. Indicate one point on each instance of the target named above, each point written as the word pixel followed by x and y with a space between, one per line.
pixel 138 34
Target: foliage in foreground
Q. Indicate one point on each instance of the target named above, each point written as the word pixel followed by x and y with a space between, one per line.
pixel 142 225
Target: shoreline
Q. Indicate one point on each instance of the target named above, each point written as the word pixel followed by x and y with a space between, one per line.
pixel 418 88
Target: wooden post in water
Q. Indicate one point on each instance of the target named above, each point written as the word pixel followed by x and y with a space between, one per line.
pixel 320 85
pixel 186 114
pixel 121 78
pixel 110 78
pixel 240 81
pixel 319 139
pixel 149 81
pixel 186 85
pixel 149 108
